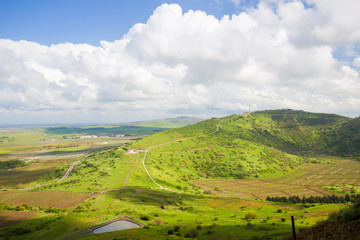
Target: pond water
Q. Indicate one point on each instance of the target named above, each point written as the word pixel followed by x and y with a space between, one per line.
pixel 116 226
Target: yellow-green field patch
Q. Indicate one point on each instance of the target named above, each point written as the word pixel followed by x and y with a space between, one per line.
pixel 44 198
pixel 29 173
pixel 8 218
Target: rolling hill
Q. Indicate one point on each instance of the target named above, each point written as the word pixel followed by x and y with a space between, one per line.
pixel 209 180
pixel 257 145
pixel 343 139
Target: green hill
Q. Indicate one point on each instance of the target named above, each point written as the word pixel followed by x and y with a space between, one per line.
pixel 297 132
pixel 260 144
pixel 291 131
pixel 343 139
pixel 208 180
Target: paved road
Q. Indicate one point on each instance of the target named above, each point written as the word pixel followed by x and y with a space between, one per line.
pixel 45 184
pixel 71 168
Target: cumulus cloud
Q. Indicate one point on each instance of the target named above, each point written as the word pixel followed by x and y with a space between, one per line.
pixel 275 55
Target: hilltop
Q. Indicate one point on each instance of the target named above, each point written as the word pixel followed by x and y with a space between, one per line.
pixel 292 131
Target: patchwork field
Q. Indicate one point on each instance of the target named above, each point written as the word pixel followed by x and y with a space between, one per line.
pixel 308 181
pixel 343 171
pixel 8 218
pixel 33 171
pixel 53 199
pixel 43 153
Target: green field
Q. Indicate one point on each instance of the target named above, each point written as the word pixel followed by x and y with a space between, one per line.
pixel 209 180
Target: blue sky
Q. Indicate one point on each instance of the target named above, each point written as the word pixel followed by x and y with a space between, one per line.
pixel 89 21
pixel 115 61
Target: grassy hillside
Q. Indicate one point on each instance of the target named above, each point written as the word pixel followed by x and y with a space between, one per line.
pixel 204 181
pixel 240 148
pixel 288 130
pixel 343 139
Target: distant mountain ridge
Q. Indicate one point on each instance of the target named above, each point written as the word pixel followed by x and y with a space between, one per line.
pixel 168 122
pixel 139 128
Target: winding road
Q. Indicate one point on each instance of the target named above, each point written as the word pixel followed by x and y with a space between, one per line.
pixel 71 168
pixel 66 175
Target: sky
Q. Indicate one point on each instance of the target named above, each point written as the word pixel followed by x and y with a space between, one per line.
pixel 110 61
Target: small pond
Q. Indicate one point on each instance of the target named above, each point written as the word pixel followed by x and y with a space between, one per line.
pixel 116 226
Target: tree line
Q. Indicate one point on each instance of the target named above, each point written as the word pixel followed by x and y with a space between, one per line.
pixel 316 199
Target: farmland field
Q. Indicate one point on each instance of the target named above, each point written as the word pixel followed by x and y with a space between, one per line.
pixel 44 198
pixel 44 153
pixel 306 182
pixel 8 218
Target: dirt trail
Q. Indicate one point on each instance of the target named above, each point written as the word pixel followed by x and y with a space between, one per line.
pixel 124 187
pixel 132 170
pixel 143 161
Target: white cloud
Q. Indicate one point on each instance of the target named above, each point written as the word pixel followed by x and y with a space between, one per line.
pixel 181 62
pixel 339 21
pixel 236 2
pixel 356 62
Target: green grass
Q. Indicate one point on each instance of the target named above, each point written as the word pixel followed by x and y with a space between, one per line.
pixel 216 177
pixel 343 188
pixel 217 219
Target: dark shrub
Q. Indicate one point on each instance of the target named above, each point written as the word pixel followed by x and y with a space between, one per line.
pixel 250 226
pixel 250 216
pixel 193 233
pixel 351 213
pixel 20 231
pixel 145 218
pixel 209 232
